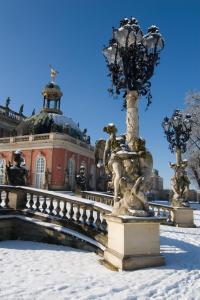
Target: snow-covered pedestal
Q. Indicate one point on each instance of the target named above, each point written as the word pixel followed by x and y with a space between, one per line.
pixel 183 217
pixel 133 242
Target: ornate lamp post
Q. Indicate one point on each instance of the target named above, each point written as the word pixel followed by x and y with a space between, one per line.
pixel 177 130
pixel 131 57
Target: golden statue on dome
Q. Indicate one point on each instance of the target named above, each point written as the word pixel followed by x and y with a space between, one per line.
pixel 53 74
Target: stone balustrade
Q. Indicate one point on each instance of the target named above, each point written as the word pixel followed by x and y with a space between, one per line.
pixel 48 136
pixel 55 205
pixel 159 210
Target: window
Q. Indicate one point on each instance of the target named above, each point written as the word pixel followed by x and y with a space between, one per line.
pixel 40 168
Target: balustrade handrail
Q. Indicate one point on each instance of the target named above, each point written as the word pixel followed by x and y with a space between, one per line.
pixel 50 194
pixel 159 209
pixel 104 195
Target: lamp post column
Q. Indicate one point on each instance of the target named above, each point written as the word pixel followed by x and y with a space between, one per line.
pixel 132 117
pixel 178 156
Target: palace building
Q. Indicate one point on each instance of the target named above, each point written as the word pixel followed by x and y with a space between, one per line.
pixel 53 145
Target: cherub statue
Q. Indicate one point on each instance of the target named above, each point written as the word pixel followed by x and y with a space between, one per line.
pixel 180 184
pixel 137 168
pixel 111 160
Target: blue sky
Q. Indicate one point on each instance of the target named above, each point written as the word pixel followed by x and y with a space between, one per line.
pixel 70 35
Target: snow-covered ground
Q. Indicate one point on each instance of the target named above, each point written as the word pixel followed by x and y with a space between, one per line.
pixel 40 271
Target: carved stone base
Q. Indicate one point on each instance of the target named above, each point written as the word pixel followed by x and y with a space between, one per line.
pixel 133 243
pixel 180 203
pixel 183 217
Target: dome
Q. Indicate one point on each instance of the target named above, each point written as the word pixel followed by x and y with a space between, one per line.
pixel 52 91
pixel 51 119
pixel 46 122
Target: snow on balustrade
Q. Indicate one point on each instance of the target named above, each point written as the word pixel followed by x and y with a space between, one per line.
pixel 61 206
pixel 159 210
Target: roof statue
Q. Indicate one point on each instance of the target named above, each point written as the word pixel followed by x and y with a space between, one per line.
pixel 53 74
pixel 7 102
pixel 21 109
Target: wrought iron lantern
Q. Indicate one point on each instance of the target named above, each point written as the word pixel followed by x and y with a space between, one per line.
pixel 177 130
pixel 131 57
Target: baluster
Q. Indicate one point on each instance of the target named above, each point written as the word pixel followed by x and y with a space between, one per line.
pixel 51 207
pixel 27 197
pixel 84 215
pixel 71 211
pixel 152 210
pixel 170 216
pixel 64 211
pixel 98 220
pixel 44 205
pixel 58 209
pixel 6 200
pixel 0 198
pixel 78 214
pixel 31 202
pixel 37 203
pixel 104 225
pixel 158 213
pixel 91 218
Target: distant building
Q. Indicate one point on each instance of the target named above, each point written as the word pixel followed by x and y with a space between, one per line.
pixel 53 145
pixel 156 191
pixel 156 181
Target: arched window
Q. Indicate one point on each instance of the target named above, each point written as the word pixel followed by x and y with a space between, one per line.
pixel 2 171
pixel 71 174
pixel 40 168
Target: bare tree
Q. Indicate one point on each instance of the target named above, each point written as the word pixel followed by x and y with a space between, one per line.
pixel 192 101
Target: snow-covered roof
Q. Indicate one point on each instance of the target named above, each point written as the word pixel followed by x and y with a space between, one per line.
pixel 64 121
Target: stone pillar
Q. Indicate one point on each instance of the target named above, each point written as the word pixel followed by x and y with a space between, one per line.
pixel 133 243
pixel 132 117
pixel 183 217
pixel 17 199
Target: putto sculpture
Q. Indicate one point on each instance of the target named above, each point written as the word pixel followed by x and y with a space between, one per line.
pixel 17 174
pixel 131 57
pixel 177 131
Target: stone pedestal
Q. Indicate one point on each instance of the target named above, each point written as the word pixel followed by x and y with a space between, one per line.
pixel 133 242
pixel 17 200
pixel 182 217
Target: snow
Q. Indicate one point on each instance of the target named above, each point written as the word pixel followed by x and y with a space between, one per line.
pixel 32 270
pixel 57 228
pixel 64 121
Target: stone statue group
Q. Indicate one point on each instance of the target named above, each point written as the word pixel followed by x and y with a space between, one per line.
pixel 130 167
